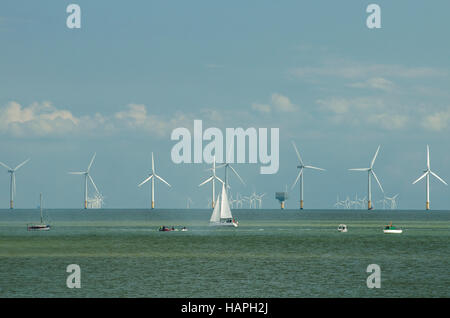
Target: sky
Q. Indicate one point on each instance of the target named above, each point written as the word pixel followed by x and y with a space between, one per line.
pixel 135 71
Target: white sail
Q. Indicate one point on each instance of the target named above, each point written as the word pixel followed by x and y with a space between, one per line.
pixel 215 216
pixel 225 212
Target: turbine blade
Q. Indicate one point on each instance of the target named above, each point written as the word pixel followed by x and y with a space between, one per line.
pixel 298 154
pixel 237 175
pixel 92 181
pixel 428 157
pixel 219 166
pixel 92 160
pixel 145 180
pixel 374 157
pixel 311 167
pixel 76 172
pixel 21 164
pixel 162 180
pixel 153 164
pixel 378 181
pixel 359 169
pixel 420 178
pixel 298 177
pixel 206 181
pixel 439 178
pixel 9 168
pixel 219 179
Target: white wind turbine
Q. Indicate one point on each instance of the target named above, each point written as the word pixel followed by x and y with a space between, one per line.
pixel 12 185
pixel 259 199
pixel 152 177
pixel 393 202
pixel 212 179
pixel 227 165
pixel 370 172
pixel 427 174
pixel 300 174
pixel 189 202
pixel 86 177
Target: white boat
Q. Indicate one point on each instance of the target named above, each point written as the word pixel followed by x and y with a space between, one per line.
pixel 41 226
pixel 390 229
pixel 342 228
pixel 221 215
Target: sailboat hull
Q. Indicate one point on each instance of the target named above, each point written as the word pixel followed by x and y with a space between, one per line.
pixel 225 223
pixel 38 227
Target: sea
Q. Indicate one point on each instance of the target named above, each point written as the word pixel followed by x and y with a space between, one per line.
pixel 272 254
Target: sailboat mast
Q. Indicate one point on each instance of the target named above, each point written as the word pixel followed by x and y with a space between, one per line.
pixel 40 204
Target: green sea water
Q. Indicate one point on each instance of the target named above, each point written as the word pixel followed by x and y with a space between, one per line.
pixel 273 253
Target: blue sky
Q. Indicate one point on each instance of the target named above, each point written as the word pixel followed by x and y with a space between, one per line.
pixel 135 71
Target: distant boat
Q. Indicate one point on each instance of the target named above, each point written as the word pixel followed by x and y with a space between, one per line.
pixel 169 229
pixel 390 229
pixel 342 228
pixel 221 215
pixel 41 226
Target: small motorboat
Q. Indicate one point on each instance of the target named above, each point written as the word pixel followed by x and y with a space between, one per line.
pixel 170 229
pixel 166 229
pixel 342 228
pixel 390 229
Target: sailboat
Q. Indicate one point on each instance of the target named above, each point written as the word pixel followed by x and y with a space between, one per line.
pixel 41 226
pixel 221 215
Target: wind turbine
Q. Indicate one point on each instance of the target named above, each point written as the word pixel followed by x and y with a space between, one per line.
pixel 427 174
pixel 189 202
pixel 227 165
pixel 393 205
pixel 12 185
pixel 300 174
pixel 212 178
pixel 86 177
pixel 370 172
pixel 259 199
pixel 152 177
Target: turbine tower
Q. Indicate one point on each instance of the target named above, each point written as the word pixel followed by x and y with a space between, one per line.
pixel 427 174
pixel 370 172
pixel 12 185
pixel 300 174
pixel 86 177
pixel 212 179
pixel 152 176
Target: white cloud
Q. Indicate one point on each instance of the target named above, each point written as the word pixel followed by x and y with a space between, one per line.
pixel 374 83
pixel 279 103
pixel 352 70
pixel 44 119
pixel 364 110
pixel 263 108
pixel 437 121
pixel 282 103
pixel 388 121
pixel 37 119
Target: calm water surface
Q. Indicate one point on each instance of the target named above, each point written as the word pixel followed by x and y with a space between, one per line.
pixel 273 253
